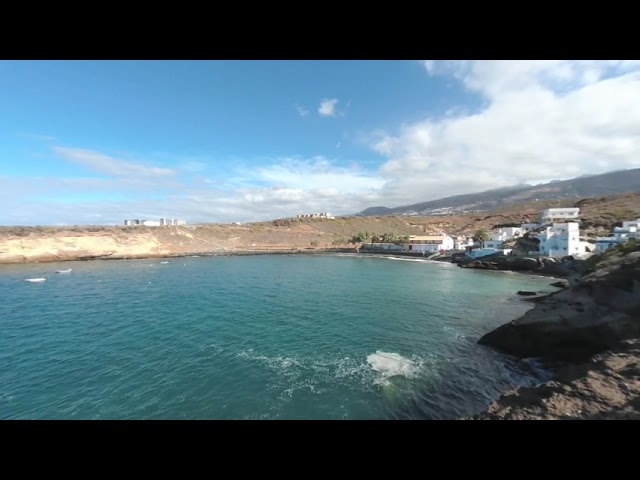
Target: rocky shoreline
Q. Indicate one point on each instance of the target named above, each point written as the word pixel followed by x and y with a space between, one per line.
pixel 595 326
pixel 607 387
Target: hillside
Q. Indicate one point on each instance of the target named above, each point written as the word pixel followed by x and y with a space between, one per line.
pixel 31 244
pixel 611 183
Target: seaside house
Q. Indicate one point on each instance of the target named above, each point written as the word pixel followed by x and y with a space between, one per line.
pixel 620 235
pixel 429 243
pixel 500 236
pixel 551 215
pixel 461 243
pixel 561 240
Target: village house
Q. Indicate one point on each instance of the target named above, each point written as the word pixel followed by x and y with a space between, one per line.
pixel 629 230
pixel 551 215
pixel 498 237
pixel 561 240
pixel 461 243
pixel 429 243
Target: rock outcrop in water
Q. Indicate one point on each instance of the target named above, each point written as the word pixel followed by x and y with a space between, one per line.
pixel 542 266
pixel 599 313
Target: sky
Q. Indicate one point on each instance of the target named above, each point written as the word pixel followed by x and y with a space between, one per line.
pixel 97 142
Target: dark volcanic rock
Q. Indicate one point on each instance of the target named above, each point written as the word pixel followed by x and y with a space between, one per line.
pixel 605 388
pixel 561 284
pixel 524 292
pixel 601 310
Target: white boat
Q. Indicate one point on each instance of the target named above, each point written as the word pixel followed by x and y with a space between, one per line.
pixel 68 270
pixel 164 263
pixel 35 280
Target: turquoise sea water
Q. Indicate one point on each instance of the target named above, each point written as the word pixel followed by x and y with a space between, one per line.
pixel 263 337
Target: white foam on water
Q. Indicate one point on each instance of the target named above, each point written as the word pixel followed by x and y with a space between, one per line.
pixel 392 364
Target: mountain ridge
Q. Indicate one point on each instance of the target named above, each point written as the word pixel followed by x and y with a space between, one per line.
pixel 584 186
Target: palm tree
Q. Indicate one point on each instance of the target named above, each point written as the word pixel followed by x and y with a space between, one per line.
pixel 481 236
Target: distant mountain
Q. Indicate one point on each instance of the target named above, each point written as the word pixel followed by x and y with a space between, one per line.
pixel 610 183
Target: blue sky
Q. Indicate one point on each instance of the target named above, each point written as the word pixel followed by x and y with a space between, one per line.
pixel 219 141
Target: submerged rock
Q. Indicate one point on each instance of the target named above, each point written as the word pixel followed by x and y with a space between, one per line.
pixel 524 292
pixel 561 284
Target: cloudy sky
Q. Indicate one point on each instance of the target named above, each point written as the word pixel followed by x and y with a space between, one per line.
pixel 219 141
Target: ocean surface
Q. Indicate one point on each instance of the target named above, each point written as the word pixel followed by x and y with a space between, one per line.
pixel 256 337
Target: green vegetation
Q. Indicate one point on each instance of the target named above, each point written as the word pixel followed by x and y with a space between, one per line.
pixel 481 235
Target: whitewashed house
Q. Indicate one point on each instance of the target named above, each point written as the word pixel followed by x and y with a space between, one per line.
pixel 551 215
pixel 631 224
pixel 560 240
pixel 461 243
pixel 500 236
pixel 429 243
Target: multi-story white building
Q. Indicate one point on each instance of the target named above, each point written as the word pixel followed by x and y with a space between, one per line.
pixel 560 240
pixel 172 221
pixel 551 215
pixel 155 223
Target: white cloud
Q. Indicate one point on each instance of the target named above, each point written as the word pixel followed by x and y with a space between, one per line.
pixel 109 165
pixel 303 112
pixel 280 188
pixel 328 107
pixel 538 121
pixel 541 120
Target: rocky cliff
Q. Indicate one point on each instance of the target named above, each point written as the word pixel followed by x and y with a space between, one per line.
pixel 599 314
pixel 601 309
pixel 605 388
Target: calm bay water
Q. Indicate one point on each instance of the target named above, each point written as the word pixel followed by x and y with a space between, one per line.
pixel 263 337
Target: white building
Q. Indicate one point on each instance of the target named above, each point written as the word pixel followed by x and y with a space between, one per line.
pixel 461 243
pixel 172 221
pixel 560 240
pixel 483 252
pixel 605 243
pixel 551 215
pixel 326 215
pixel 155 223
pixel 625 233
pixel 429 243
pixel 500 236
pixel 632 223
